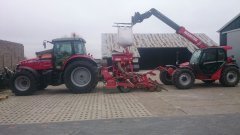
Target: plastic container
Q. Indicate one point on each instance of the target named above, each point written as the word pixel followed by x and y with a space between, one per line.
pixel 125 36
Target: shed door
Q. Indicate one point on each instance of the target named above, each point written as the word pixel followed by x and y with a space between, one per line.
pixel 233 39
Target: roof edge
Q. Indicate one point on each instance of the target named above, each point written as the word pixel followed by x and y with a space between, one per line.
pixel 11 42
pixel 229 23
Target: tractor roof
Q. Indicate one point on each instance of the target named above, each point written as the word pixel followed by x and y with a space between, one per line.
pixel 69 39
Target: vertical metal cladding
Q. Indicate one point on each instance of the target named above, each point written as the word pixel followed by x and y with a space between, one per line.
pixel 10 54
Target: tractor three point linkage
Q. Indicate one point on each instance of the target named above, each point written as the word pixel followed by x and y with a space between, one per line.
pixel 208 63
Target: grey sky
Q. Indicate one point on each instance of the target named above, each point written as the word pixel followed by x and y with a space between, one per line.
pixel 30 21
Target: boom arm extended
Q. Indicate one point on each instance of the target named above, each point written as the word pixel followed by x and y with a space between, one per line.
pixel 138 18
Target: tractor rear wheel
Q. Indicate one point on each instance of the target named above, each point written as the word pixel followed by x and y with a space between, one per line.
pixel 23 83
pixel 230 77
pixel 183 78
pixel 81 77
pixel 165 77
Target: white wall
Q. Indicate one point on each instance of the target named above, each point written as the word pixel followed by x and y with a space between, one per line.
pixel 233 39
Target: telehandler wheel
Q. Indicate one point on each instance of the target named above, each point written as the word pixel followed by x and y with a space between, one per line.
pixel 230 77
pixel 23 83
pixel 165 77
pixel 81 77
pixel 183 78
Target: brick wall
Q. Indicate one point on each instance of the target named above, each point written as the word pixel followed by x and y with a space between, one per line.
pixel 10 54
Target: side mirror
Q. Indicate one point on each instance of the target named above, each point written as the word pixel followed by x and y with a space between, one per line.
pixel 44 44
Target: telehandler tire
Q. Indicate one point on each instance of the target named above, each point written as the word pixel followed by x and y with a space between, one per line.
pixel 165 77
pixel 183 78
pixel 230 77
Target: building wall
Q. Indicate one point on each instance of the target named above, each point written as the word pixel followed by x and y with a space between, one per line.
pixel 233 39
pixel 154 57
pixel 10 54
pixel 235 24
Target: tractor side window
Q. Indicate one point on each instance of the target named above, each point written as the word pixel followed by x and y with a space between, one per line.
pixel 209 55
pixel 64 48
pixel 79 48
pixel 221 55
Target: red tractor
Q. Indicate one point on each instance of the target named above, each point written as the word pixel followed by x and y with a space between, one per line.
pixel 207 63
pixel 67 63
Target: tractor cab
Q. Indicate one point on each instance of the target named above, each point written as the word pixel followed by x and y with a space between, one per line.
pixel 63 49
pixel 208 61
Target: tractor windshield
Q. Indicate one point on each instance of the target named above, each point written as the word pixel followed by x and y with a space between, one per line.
pixel 79 47
pixel 195 57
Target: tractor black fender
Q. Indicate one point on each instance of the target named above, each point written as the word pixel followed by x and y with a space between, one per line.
pixel 231 65
pixel 31 70
pixel 189 68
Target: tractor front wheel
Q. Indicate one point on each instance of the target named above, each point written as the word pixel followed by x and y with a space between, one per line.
pixel 23 83
pixel 81 77
pixel 183 78
pixel 230 77
pixel 165 77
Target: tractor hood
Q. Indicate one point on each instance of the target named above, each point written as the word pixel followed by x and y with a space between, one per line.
pixel 29 61
pixel 36 64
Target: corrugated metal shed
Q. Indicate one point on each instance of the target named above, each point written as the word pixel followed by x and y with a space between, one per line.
pixel 171 40
pixel 10 54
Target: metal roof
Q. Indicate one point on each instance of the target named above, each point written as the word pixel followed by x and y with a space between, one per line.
pixel 170 40
pixel 229 23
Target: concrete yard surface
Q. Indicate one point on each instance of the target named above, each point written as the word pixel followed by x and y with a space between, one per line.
pixel 57 104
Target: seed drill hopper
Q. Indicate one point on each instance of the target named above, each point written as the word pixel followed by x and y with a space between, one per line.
pixel 121 74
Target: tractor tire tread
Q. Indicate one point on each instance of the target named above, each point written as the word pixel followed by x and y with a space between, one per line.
pixel 176 75
pixel 223 79
pixel 33 83
pixel 85 89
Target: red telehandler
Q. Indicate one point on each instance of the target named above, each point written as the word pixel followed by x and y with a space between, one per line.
pixel 207 63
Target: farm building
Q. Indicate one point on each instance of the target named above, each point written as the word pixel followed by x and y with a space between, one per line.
pixel 153 50
pixel 230 35
pixel 10 54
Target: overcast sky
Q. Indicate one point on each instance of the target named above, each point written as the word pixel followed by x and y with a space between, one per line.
pixel 30 21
